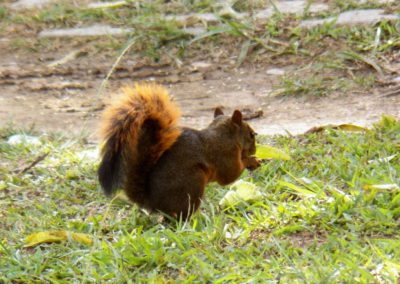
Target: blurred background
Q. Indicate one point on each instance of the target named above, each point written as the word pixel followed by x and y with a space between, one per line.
pixel 289 65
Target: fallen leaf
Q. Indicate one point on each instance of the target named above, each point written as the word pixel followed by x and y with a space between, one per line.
pixel 382 160
pixel 231 198
pixel 115 4
pixel 383 187
pixel 56 236
pixel 351 127
pixel 344 127
pixel 240 191
pixel 70 56
pixel 269 152
pixel 246 191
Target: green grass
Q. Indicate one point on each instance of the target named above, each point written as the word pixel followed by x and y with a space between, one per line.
pixel 317 222
pixel 334 59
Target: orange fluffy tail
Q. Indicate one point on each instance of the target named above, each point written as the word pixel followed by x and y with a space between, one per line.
pixel 136 129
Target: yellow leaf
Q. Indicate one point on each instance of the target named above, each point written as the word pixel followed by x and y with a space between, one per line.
pixel 269 152
pixel 351 127
pixel 82 238
pixel 56 236
pixel 344 127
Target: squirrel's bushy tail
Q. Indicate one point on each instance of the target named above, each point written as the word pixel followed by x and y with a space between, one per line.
pixel 136 129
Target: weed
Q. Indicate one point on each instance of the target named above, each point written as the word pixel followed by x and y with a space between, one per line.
pixel 3 13
pixel 345 5
pixel 23 44
pixel 280 35
pixel 314 85
pixel 366 81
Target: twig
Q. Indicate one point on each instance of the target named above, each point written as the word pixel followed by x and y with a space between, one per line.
pixel 354 56
pixel 34 163
pixel 392 92
pixel 128 46
pixel 278 42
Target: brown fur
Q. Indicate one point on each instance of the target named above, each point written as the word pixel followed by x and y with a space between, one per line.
pixel 125 116
pixel 162 167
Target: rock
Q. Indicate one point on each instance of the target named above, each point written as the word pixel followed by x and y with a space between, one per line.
pixel 285 7
pixel 201 66
pixel 290 7
pixel 369 16
pixel 23 139
pixel 95 30
pixel 195 31
pixel 193 18
pixel 276 71
pixel 89 155
pixel 29 4
pixel 378 1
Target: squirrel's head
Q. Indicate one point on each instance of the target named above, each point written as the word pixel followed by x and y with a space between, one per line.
pixel 236 128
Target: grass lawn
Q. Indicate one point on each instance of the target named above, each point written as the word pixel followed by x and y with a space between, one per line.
pixel 329 215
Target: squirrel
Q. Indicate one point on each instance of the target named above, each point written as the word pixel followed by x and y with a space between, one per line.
pixel 164 167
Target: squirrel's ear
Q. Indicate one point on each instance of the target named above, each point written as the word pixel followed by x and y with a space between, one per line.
pixel 237 117
pixel 217 112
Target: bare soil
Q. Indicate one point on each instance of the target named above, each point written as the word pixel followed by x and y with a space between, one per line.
pixel 38 90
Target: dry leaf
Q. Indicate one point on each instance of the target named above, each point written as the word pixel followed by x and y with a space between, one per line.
pixel 344 127
pixel 70 56
pixel 351 127
pixel 56 236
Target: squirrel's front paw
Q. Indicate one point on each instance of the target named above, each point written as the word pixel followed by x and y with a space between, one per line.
pixel 252 163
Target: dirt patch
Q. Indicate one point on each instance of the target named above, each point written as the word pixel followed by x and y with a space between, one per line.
pixel 66 98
